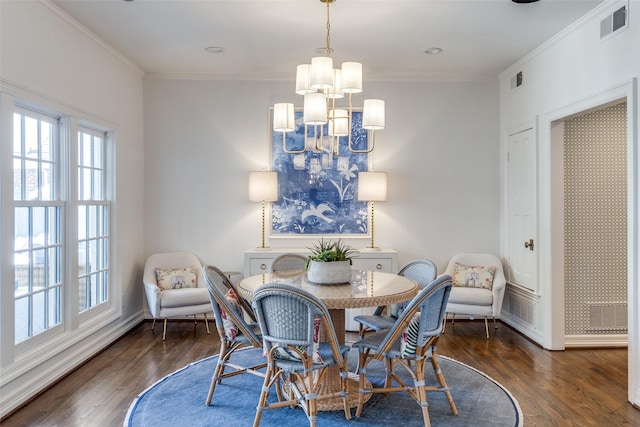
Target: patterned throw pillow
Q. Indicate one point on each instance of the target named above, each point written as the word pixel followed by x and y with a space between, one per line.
pixel 409 337
pixel 230 328
pixel 473 276
pixel 176 278
pixel 288 354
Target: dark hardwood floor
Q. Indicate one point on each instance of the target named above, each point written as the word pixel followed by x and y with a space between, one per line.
pixel 577 387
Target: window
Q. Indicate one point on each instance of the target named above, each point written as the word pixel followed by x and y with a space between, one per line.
pixel 38 224
pixel 93 221
pixel 49 241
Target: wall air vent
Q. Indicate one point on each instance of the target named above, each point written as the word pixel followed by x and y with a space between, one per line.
pixel 614 22
pixel 610 317
pixel 516 80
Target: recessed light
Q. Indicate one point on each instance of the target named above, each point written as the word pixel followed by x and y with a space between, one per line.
pixel 433 51
pixel 214 49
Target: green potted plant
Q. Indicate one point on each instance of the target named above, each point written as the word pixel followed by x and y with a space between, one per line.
pixel 330 262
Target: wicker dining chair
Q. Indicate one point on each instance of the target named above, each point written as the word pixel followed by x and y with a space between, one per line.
pixel 291 320
pixel 288 262
pixel 407 347
pixel 235 335
pixel 423 272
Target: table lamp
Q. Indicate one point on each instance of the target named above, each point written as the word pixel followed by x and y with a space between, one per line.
pixel 372 187
pixel 263 187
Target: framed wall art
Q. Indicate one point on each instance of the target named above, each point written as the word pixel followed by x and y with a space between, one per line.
pixel 317 188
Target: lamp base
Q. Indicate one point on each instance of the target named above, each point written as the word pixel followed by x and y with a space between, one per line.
pixel 263 248
pixel 370 248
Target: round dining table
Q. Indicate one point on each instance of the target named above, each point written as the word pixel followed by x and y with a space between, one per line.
pixel 366 289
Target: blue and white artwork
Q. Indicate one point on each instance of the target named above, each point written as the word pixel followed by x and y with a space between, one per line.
pixel 317 189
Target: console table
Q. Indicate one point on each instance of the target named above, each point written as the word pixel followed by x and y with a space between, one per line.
pixel 384 260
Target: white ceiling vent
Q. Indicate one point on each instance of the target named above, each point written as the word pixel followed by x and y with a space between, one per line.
pixel 613 23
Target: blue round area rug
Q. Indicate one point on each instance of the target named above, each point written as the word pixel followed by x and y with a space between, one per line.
pixel 179 400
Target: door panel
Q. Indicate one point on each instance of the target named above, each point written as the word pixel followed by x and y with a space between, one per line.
pixel 522 210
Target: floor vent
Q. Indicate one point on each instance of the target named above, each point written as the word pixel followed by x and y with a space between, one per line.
pixel 608 316
pixel 614 22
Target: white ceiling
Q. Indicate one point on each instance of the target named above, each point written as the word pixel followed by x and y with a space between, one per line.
pixel 268 38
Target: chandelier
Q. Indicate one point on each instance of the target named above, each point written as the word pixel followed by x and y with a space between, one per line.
pixel 321 86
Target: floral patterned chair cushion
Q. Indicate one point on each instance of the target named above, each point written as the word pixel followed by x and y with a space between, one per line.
pixel 230 329
pixel 474 276
pixel 176 278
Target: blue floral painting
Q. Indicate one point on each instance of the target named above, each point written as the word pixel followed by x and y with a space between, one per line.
pixel 318 189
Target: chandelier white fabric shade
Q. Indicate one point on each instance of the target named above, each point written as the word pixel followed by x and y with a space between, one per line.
pixel 263 186
pixel 372 186
pixel 321 75
pixel 315 108
pixel 284 117
pixel 335 91
pixel 373 114
pixel 351 77
pixel 302 79
pixel 339 123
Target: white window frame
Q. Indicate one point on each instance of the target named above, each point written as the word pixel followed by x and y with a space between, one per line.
pixel 104 201
pixel 56 201
pixel 18 359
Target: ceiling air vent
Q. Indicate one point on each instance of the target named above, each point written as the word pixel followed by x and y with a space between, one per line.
pixel 614 22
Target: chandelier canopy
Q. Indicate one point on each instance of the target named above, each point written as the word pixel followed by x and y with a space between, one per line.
pixel 321 85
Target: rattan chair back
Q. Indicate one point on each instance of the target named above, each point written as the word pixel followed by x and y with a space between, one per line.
pixel 421 271
pixel 223 282
pixel 287 316
pixel 214 280
pixel 430 303
pixel 288 263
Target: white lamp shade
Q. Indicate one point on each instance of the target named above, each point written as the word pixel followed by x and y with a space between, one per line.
pixel 373 114
pixel 315 108
pixel 321 74
pixel 263 186
pixel 335 91
pixel 351 78
pixel 284 117
pixel 372 186
pixel 302 79
pixel 338 122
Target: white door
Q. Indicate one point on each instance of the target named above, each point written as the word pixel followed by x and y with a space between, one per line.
pixel 522 208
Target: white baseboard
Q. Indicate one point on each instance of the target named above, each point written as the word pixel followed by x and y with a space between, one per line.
pixel 612 340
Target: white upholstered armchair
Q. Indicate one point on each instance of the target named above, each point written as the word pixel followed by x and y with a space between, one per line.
pixel 174 286
pixel 471 293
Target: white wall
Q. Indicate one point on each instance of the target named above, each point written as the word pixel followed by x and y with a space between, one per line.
pixel 47 60
pixel 572 70
pixel 440 148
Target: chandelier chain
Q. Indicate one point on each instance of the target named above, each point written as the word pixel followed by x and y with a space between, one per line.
pixel 328 31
